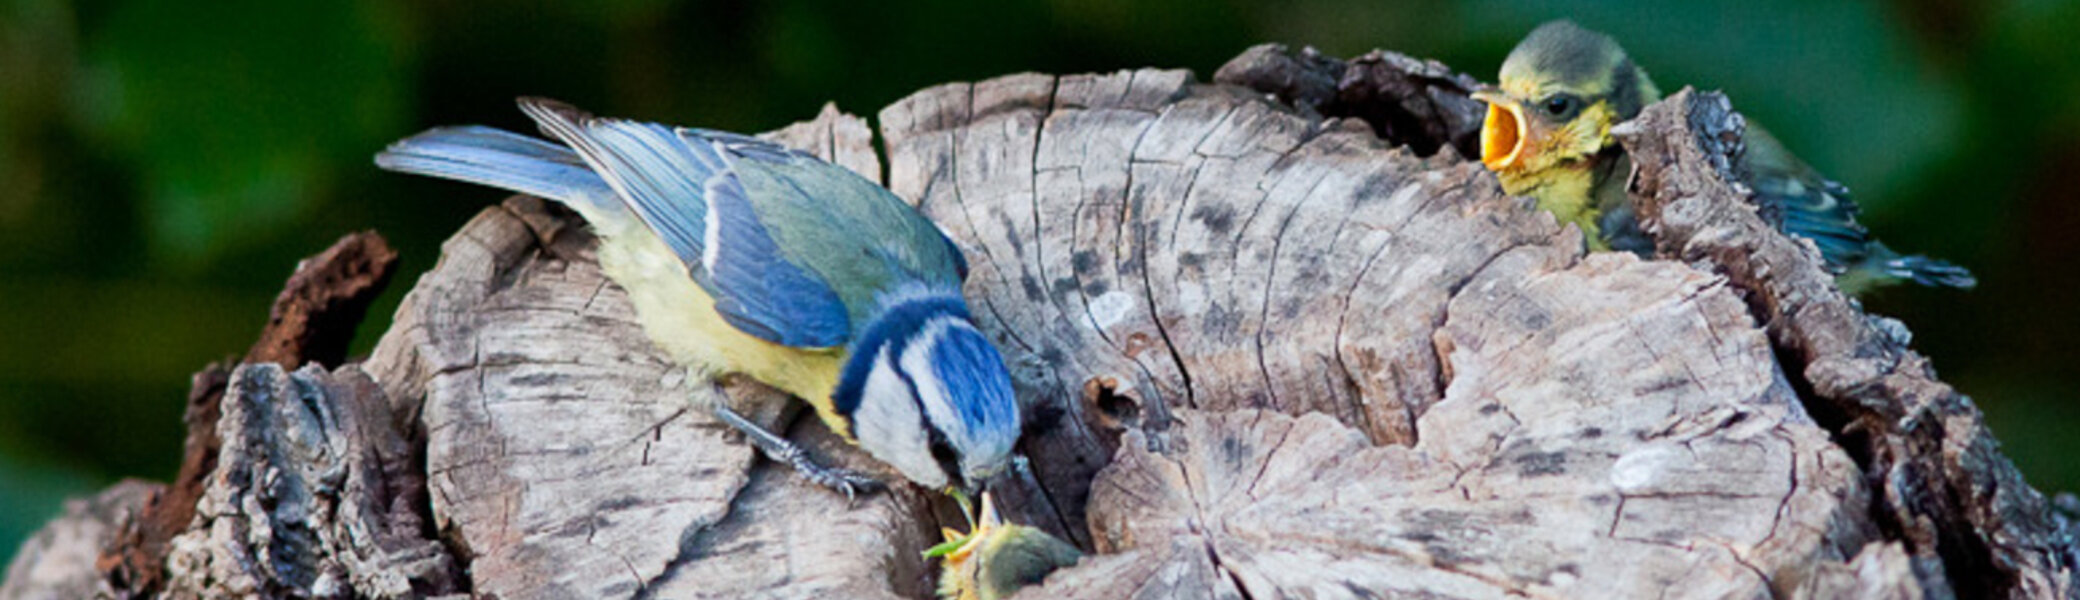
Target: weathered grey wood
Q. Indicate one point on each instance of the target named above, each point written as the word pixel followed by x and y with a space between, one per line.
pixel 1196 246
pixel 58 563
pixel 1264 352
pixel 1611 428
pixel 1963 512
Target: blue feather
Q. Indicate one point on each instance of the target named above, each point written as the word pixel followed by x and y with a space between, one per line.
pixel 502 159
pixel 686 189
pixel 894 331
pixel 983 395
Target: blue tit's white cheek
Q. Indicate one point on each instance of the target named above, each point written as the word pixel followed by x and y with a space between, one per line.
pixel 887 425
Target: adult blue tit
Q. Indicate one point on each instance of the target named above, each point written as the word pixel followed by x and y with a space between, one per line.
pixel 745 257
pixel 1547 136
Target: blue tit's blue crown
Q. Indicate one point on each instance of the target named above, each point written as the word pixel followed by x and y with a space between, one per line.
pixel 976 410
pixel 972 370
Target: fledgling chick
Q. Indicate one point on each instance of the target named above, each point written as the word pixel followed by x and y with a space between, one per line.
pixel 1547 136
pixel 744 257
pixel 997 558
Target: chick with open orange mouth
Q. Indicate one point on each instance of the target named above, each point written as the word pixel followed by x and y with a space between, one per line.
pixel 1548 136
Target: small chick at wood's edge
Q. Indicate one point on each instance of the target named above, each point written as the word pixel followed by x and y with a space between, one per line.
pixel 745 257
pixel 1547 136
pixel 997 559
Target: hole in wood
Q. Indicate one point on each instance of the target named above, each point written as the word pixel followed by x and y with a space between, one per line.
pixel 1115 410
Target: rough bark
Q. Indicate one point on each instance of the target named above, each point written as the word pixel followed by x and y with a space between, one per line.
pixel 313 319
pixel 1276 343
pixel 1972 525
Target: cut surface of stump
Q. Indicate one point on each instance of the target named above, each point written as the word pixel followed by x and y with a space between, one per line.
pixel 1582 452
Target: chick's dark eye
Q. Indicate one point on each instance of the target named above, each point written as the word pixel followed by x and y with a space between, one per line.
pixel 1561 106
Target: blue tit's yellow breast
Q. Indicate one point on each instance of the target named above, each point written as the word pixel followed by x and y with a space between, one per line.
pixel 680 318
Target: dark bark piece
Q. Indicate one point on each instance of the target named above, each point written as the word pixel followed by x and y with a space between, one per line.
pixel 1961 509
pixel 1306 79
pixel 315 495
pixel 317 312
pixel 313 319
pixel 1421 104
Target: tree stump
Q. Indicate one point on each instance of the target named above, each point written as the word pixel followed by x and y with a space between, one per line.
pixel 1277 339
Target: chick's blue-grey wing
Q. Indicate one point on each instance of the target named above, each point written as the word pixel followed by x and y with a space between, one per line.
pixel 685 188
pixel 1802 202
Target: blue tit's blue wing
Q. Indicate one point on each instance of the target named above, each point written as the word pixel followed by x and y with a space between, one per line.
pixel 843 226
pixel 688 192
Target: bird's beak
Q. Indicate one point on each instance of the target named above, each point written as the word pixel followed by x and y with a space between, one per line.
pixel 961 498
pixel 989 516
pixel 1504 134
pixel 959 546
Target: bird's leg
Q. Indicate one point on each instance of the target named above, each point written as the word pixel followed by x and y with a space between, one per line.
pixel 851 483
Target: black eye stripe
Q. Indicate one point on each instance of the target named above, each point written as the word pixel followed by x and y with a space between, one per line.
pixel 942 451
pixel 916 400
pixel 935 440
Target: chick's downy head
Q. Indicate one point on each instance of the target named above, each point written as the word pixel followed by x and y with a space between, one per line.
pixel 1560 91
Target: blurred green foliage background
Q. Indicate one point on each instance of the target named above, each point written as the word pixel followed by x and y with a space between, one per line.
pixel 163 165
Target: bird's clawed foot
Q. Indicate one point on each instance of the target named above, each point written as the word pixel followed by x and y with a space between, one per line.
pixel 851 483
pixel 846 481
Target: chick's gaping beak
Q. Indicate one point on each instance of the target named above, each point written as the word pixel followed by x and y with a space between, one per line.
pixel 1504 134
pixel 959 546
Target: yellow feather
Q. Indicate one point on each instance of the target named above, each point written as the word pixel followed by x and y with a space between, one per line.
pixel 680 318
pixel 1561 174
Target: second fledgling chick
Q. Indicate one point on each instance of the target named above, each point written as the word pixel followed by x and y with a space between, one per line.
pixel 998 558
pixel 1547 136
pixel 744 257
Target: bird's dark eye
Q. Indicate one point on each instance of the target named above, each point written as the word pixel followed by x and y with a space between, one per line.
pixel 1562 106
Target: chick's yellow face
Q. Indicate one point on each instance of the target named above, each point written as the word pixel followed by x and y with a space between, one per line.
pixel 1542 136
pixel 1549 121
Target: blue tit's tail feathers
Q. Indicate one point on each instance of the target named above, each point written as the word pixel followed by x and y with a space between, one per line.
pixel 505 160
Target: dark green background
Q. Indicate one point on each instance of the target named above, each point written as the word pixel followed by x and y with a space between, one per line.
pixel 164 164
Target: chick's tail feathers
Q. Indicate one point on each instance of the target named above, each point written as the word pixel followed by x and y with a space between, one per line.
pixel 506 160
pixel 1930 272
pixel 1882 266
